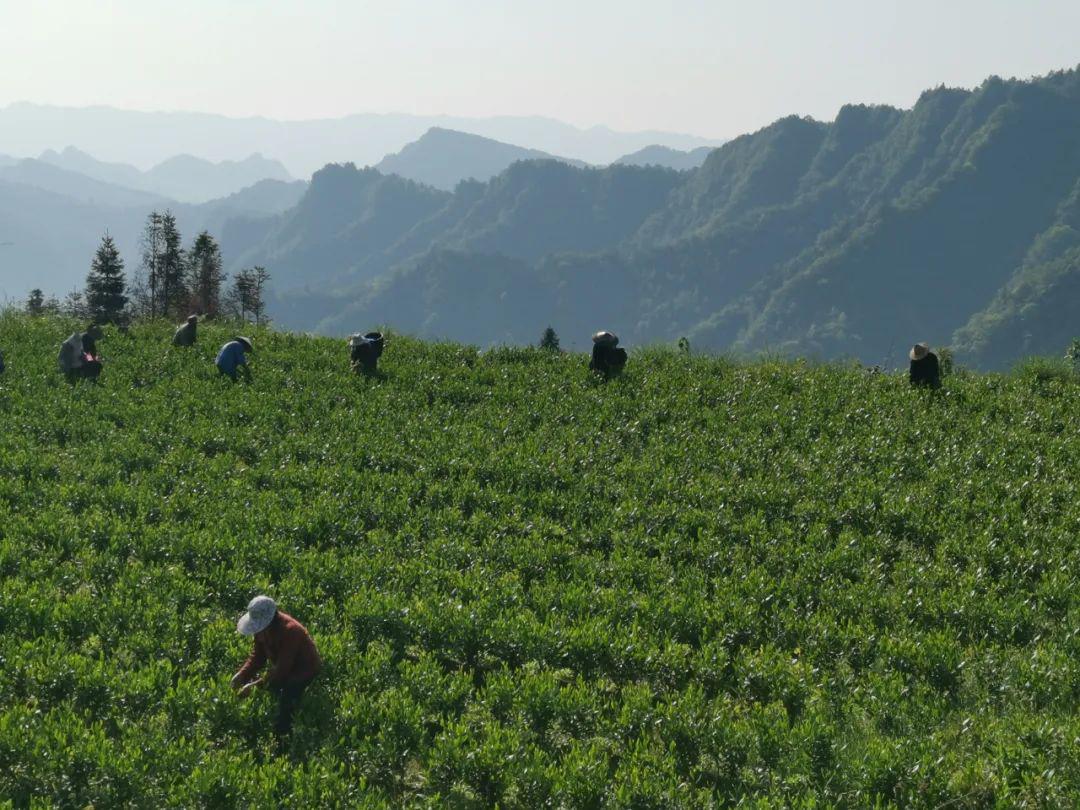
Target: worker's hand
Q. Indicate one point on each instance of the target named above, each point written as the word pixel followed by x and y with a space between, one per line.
pixel 248 688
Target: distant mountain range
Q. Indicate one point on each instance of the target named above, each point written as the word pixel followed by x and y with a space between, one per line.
pixel 655 155
pixel 49 177
pixel 148 138
pixel 443 158
pixel 956 222
pixel 51 221
pixel 181 177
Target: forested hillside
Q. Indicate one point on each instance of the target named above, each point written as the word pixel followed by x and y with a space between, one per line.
pixel 952 222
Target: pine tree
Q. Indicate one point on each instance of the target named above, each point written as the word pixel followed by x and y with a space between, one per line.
pixel 105 285
pixel 549 340
pixel 163 267
pixel 174 292
pixel 74 305
pixel 150 303
pixel 35 304
pixel 205 275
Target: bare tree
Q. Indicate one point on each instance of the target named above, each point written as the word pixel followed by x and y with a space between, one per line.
pixel 246 297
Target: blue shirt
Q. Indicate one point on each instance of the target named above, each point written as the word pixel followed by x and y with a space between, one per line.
pixel 230 357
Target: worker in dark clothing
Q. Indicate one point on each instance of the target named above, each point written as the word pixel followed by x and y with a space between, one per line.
pixel 924 370
pixel 287 645
pixel 1 362
pixel 365 351
pixel 185 332
pixel 607 358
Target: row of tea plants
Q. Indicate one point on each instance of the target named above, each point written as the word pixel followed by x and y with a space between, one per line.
pixel 705 583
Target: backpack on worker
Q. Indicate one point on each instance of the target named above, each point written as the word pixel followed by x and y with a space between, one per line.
pixel 71 353
pixel 365 351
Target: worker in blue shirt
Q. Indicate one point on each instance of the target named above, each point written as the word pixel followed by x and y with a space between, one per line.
pixel 232 357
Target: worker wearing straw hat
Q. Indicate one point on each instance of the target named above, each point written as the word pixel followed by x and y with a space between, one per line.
pixel 233 357
pixel 925 369
pixel 287 645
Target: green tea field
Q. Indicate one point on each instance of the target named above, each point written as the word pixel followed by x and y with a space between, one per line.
pixel 702 584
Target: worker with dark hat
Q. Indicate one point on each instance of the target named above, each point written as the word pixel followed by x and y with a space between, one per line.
pixel 607 357
pixel 185 332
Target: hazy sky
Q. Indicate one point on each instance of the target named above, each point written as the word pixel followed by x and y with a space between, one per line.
pixel 710 68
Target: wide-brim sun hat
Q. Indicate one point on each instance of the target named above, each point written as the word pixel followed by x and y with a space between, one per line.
pixel 192 317
pixel 919 351
pixel 605 338
pixel 260 612
pixel 245 341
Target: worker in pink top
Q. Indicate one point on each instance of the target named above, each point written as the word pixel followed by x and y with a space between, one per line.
pixel 287 645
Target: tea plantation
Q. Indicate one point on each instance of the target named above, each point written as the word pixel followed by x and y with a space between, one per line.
pixel 701 584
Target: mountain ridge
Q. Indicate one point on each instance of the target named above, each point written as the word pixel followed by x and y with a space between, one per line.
pixel 849 238
pixel 442 158
pixel 147 138
pixel 183 177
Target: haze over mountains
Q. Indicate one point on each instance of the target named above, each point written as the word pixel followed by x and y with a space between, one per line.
pixel 182 177
pixel 52 219
pixel 55 232
pixel 656 155
pixel 148 138
pixel 956 222
pixel 443 158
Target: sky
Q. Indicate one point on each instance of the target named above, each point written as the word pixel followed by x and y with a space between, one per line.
pixel 714 69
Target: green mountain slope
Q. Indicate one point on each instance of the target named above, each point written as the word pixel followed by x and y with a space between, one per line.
pixel 355 226
pixel 1035 312
pixel 346 216
pixel 924 264
pixel 700 584
pixel 852 238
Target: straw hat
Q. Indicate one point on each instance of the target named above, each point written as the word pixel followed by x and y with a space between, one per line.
pixel 192 318
pixel 919 351
pixel 260 612
pixel 605 338
pixel 245 341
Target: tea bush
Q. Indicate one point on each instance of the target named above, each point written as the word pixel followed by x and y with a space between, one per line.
pixel 700 584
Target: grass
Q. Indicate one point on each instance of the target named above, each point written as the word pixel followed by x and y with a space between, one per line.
pixel 704 583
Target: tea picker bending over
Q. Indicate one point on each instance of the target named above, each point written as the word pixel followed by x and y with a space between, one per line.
pixel 232 358
pixel 924 369
pixel 185 332
pixel 365 351
pixel 78 356
pixel 607 358
pixel 287 645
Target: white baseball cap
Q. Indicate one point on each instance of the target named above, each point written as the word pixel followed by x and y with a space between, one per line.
pixel 260 612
